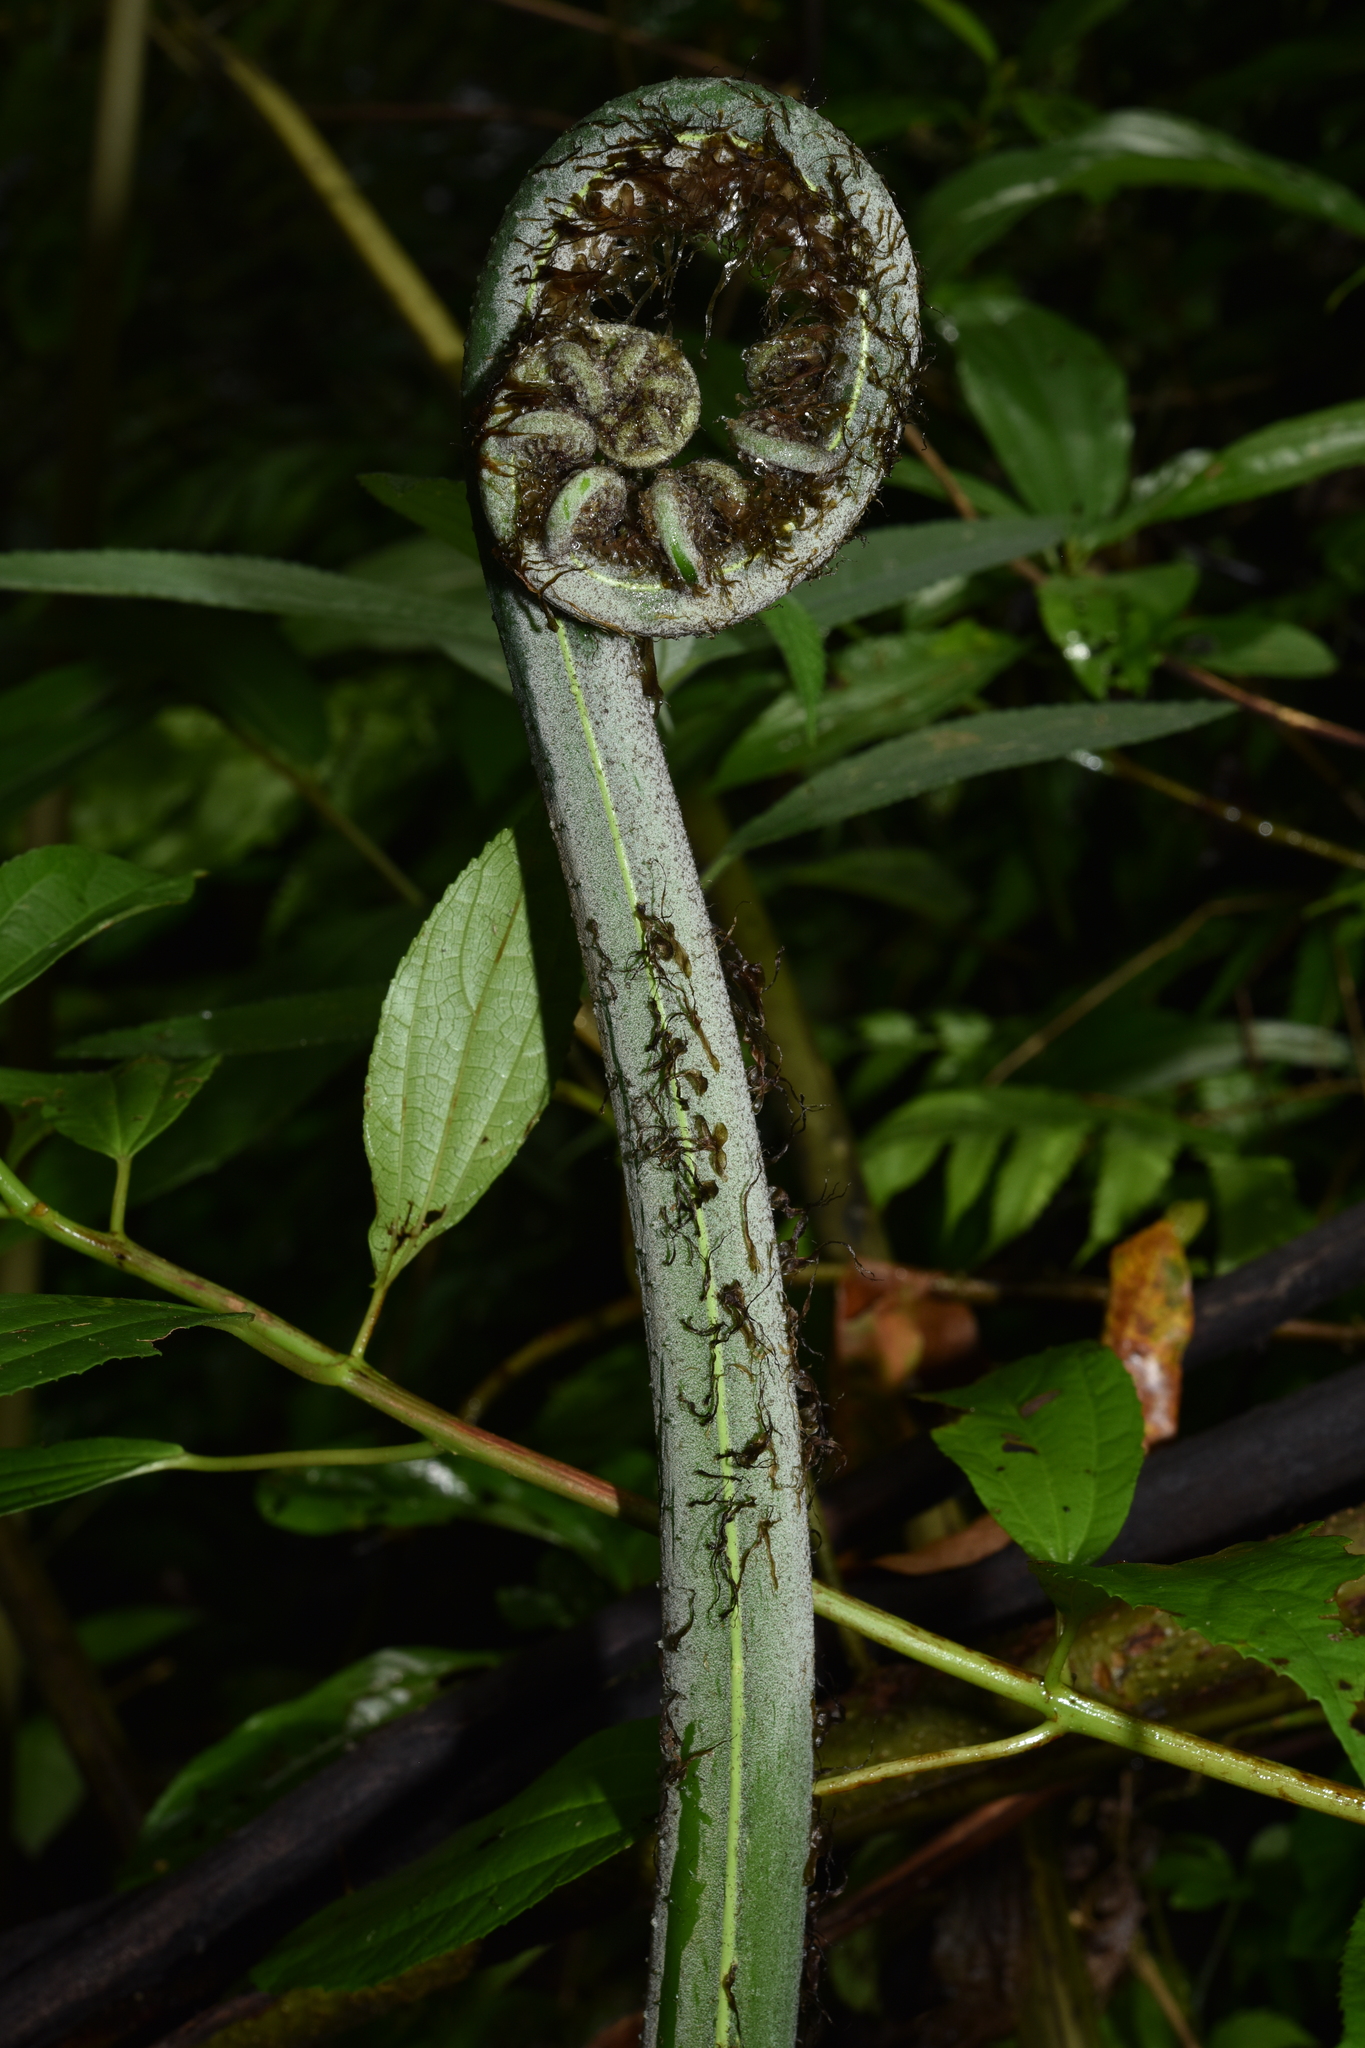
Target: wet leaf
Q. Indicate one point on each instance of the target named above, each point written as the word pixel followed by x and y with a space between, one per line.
pixel 46 1336
pixel 1275 458
pixel 458 1075
pixel 57 896
pixel 281 1747
pixel 598 1800
pixel 1136 146
pixel 1053 1448
pixel 1111 630
pixel 1274 1602
pixel 956 751
pixel 1149 1320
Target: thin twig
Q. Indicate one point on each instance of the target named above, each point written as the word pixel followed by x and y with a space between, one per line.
pixel 313 794
pixel 963 1839
pixel 1038 1041
pixel 614 1315
pixel 434 112
pixel 601 25
pixel 934 463
pixel 1228 814
pixel 1326 770
pixel 1267 707
pixel 1147 1970
pixel 936 1760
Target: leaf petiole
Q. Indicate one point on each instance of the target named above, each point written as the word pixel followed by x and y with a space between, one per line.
pixel 937 1760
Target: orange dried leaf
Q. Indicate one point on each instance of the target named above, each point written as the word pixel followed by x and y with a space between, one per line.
pixel 981 1538
pixel 1149 1322
pixel 890 1332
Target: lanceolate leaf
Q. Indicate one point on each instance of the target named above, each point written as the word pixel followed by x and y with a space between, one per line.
pixel 438 503
pixel 1277 458
pixel 1241 644
pixel 598 1800
pixel 1136 146
pixel 458 1075
pixel 953 752
pixel 1275 1602
pixel 56 896
pixel 884 567
pixel 46 1336
pixel 1053 1447
pixel 278 1748
pixel 343 1016
pixel 34 1478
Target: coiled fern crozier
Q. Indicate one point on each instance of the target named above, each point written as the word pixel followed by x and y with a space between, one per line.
pixel 579 403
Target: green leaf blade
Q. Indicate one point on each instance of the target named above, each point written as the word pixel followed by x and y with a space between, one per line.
pixel 1053 1447
pixel 596 1801
pixel 343 1016
pixel 35 1478
pixel 45 1337
pixel 459 1073
pixel 57 896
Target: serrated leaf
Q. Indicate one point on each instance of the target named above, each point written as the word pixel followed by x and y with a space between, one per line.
pixel 273 1751
pixel 1134 146
pixel 1273 1602
pixel 1051 401
pixel 892 683
pixel 249 1098
pixel 324 1500
pixel 1275 458
pixel 1053 1448
pixel 1110 629
pixel 459 1075
pixel 44 1337
pixel 342 1016
pixel 599 1799
pixel 963 747
pixel 1241 644
pixel 57 896
pixel 116 1113
pixel 34 1478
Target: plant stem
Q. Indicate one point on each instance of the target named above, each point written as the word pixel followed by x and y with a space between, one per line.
pixel 313 794
pixel 936 1760
pixel 296 1461
pixel 613 1316
pixel 1228 814
pixel 1084 1716
pixel 1266 707
pixel 118 1208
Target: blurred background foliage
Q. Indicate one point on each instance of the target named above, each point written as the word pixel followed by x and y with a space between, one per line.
pixel 259 374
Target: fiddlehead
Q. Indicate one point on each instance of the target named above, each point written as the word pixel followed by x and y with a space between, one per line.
pixel 592 404
pixel 600 531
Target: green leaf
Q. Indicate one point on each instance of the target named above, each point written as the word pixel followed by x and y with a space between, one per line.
pixel 438 503
pixel 1050 399
pixel 1353 1985
pixel 341 1016
pixel 599 1799
pixel 1195 1872
pixel 882 568
pixel 906 877
pixel 1276 458
pixel 123 1632
pixel 1274 1602
pixel 54 722
pixel 1258 1207
pixel 426 571
pixel 893 682
pixel 1261 2028
pixel 37 1477
pixel 46 1336
pixel 458 1075
pixel 324 1500
pixel 1110 629
pixel 966 25
pixel 248 1099
pixel 1241 644
pixel 57 896
pixel 1039 1161
pixel 1053 1448
pixel 118 1112
pixel 909 474
pixel 954 752
pixel 281 1747
pixel 48 1786
pixel 1135 146
pixel 802 647
pixel 1135 1165
pixel 871 117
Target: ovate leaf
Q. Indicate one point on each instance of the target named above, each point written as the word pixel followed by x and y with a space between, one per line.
pixel 46 1336
pixel 1136 146
pixel 1241 644
pixel 1111 629
pixel 119 1112
pixel 1053 1448
pixel 342 1016
pixel 964 747
pixel 459 1074
pixel 598 1800
pixel 1274 1602
pixel 34 1478
pixel 57 896
pixel 1052 402
pixel 281 1747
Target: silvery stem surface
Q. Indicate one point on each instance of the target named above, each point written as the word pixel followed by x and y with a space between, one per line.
pixel 735 1569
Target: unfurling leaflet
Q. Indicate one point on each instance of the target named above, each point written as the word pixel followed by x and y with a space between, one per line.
pixel 601 529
